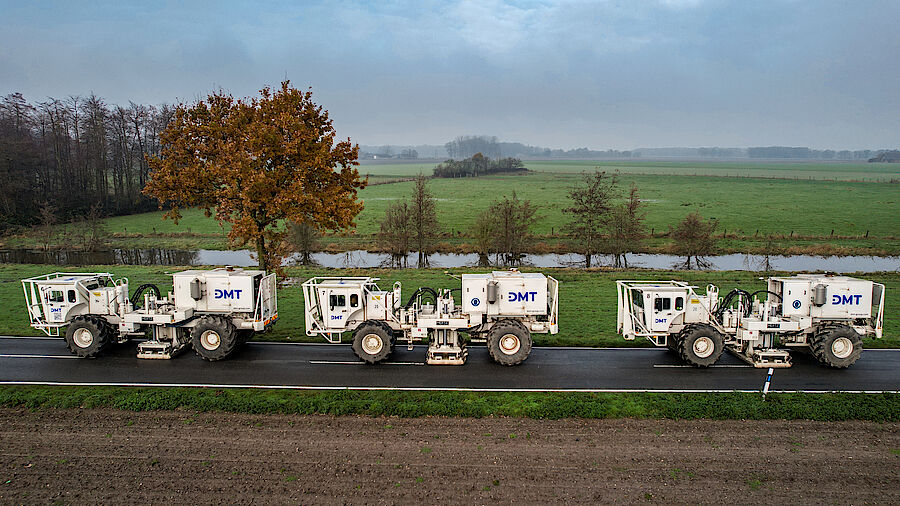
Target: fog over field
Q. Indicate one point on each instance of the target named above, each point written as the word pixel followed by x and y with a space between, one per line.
pixel 562 74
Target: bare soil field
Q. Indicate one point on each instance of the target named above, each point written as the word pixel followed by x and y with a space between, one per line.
pixel 109 456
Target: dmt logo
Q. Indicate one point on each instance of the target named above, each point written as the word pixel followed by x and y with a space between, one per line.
pixel 55 309
pixel 845 299
pixel 522 296
pixel 661 320
pixel 227 294
pixel 335 317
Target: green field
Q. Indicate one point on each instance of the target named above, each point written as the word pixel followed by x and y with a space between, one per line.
pixel 810 214
pixel 838 171
pixel 540 405
pixel 587 298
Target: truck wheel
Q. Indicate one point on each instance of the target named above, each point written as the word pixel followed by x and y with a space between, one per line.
pixel 373 342
pixel 87 336
pixel 837 346
pixel 244 336
pixel 509 342
pixel 700 345
pixel 214 338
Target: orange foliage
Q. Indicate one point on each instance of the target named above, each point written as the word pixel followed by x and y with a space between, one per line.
pixel 255 163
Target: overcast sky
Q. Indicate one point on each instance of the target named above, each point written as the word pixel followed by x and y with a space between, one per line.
pixel 608 74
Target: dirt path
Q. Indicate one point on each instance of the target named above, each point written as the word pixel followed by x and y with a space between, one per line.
pixel 108 456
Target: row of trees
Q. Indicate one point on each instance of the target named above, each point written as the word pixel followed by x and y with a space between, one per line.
pixel 603 219
pixel 466 146
pixel 478 165
pixel 67 156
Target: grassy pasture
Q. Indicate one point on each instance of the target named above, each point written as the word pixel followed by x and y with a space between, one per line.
pixel 840 171
pixel 587 298
pixel 747 208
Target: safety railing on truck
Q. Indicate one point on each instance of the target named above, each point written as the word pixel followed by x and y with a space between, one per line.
pixel 266 310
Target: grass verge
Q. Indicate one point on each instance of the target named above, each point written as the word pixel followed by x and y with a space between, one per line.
pixel 538 405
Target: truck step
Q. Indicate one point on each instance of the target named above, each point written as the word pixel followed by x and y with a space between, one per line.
pixel 447 355
pixel 763 359
pixel 156 350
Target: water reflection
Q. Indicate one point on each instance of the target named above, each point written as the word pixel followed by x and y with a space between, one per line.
pixel 366 259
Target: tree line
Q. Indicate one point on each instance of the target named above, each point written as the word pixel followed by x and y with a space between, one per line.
pixel 63 159
pixel 603 218
pixel 478 165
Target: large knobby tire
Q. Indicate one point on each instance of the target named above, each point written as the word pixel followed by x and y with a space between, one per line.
pixel 509 342
pixel 836 346
pixel 244 336
pixel 700 345
pixel 214 338
pixel 373 342
pixel 87 336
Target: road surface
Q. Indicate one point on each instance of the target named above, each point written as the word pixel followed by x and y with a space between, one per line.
pixel 42 360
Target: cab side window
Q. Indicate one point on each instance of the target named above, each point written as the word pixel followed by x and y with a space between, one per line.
pixel 71 295
pixel 679 303
pixel 337 301
pixel 662 304
pixel 354 300
pixel 55 296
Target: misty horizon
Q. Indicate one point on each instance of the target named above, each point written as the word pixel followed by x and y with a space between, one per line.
pixel 559 74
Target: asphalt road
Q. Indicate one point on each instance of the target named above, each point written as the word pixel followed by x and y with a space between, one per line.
pixel 323 366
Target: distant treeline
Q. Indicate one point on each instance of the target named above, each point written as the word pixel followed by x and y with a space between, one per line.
pixel 74 155
pixel 477 165
pixel 467 146
pixel 817 154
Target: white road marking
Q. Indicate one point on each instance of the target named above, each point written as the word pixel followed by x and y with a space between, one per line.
pixel 358 362
pixel 46 338
pixel 692 367
pixel 36 356
pixel 435 389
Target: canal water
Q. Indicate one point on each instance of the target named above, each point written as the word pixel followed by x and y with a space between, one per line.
pixel 363 259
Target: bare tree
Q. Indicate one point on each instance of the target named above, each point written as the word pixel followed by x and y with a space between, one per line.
pixel 513 220
pixel 694 239
pixel 48 223
pixel 592 203
pixel 626 227
pixel 423 215
pixel 304 239
pixel 482 233
pixel 396 231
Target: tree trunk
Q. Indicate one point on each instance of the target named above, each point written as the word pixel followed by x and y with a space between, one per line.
pixel 261 254
pixel 587 260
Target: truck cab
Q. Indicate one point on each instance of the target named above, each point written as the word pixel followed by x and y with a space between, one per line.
pixel 54 299
pixel 654 309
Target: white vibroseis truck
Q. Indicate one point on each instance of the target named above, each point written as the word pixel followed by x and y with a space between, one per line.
pixel 214 310
pixel 827 315
pixel 502 308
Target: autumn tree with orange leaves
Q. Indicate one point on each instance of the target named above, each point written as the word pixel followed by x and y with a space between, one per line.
pixel 254 163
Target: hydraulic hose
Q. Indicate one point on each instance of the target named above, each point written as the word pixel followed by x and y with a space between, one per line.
pixel 415 294
pixel 766 291
pixel 745 309
pixel 138 298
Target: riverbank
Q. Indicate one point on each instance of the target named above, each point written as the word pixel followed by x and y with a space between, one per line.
pixel 587 297
pixel 658 243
